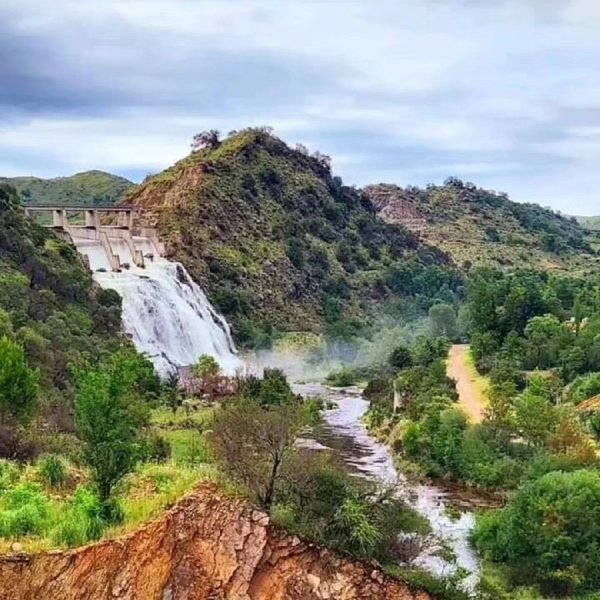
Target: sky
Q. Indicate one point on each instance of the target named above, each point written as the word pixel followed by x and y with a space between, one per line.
pixel 503 93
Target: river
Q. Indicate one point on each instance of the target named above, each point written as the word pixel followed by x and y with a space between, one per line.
pixel 344 431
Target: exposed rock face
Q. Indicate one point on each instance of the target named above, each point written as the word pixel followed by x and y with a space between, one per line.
pixel 206 548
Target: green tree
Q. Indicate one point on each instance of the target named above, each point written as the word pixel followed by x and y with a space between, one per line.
pixel 109 416
pixel 207 367
pixel 500 411
pixel 400 357
pixel 442 321
pixel 546 337
pixel 551 530
pixel 18 384
pixel 535 417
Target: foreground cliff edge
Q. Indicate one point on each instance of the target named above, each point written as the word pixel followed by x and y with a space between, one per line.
pixel 207 547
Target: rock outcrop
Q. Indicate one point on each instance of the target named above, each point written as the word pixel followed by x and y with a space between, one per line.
pixel 208 547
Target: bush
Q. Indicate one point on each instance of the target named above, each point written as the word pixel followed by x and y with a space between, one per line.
pixel 550 530
pixel 342 378
pixel 155 448
pixel 9 474
pixel 23 511
pixel 83 521
pixel 53 471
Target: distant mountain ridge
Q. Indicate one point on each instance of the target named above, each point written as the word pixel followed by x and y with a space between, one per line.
pixel 590 222
pixel 477 226
pixel 87 188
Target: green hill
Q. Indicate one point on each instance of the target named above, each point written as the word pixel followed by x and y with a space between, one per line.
pixel 279 243
pixel 90 187
pixel 590 222
pixel 477 226
pixel 49 302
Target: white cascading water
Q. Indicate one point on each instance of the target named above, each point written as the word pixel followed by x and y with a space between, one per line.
pixel 167 315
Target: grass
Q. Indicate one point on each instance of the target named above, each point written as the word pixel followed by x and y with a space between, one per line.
pixel 481 383
pixel 49 504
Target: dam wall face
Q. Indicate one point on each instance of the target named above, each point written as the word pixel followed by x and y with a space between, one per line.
pixel 165 312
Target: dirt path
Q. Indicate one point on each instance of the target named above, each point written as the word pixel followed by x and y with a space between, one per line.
pixel 470 386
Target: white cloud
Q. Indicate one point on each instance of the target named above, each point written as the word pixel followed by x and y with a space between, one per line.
pixel 507 92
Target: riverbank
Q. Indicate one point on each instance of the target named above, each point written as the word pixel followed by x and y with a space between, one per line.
pixel 446 552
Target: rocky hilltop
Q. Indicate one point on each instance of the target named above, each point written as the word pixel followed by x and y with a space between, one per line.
pixel 208 547
pixel 477 226
pixel 279 242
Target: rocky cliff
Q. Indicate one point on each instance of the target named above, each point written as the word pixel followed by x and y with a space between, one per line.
pixel 208 547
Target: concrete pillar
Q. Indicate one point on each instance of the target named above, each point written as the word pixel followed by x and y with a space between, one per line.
pixel 130 220
pixel 59 218
pixel 92 219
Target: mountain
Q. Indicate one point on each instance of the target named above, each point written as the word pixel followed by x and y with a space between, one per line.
pixel 477 226
pixel 90 187
pixel 279 243
pixel 48 300
pixel 590 222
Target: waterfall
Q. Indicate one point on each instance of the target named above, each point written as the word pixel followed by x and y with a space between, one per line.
pixel 166 313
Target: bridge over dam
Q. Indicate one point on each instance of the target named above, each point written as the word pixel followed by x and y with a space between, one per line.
pixel 109 237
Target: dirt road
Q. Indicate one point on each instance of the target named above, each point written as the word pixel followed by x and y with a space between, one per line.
pixel 470 386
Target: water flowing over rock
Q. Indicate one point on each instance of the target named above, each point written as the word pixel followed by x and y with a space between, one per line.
pixel 167 315
pixel 208 547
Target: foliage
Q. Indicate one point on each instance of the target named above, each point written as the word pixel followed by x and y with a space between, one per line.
pixel 88 188
pixel 263 220
pixel 109 415
pixel 252 443
pixel 53 471
pixel 18 384
pixel 207 367
pixel 550 530
pixel 51 310
pixel 272 389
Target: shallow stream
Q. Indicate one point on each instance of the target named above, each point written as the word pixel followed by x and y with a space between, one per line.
pixel 345 432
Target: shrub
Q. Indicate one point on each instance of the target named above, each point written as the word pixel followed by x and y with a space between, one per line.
pixel 342 378
pixel 24 511
pixel 550 530
pixel 53 471
pixel 9 474
pixel 155 448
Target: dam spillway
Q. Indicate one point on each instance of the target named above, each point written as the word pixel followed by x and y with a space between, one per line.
pixel 167 315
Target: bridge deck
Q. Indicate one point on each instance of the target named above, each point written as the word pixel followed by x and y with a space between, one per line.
pixel 74 207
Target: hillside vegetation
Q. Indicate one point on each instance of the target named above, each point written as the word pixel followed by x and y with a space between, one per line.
pixel 90 187
pixel 590 222
pixel 50 306
pixel 477 226
pixel 278 242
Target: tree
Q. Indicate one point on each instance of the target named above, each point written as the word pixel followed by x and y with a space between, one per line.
pixel 18 384
pixel 500 411
pixel 550 530
pixel 535 417
pixel 442 321
pixel 109 416
pixel 546 337
pixel 208 371
pixel 400 358
pixel 252 443
pixel 206 139
pixel 173 396
pixel 207 367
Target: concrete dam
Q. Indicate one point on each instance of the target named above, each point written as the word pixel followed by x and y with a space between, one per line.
pixel 165 312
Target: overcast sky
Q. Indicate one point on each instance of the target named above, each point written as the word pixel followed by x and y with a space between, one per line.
pixel 504 93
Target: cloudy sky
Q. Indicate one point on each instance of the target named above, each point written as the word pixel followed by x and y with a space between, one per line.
pixel 505 93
